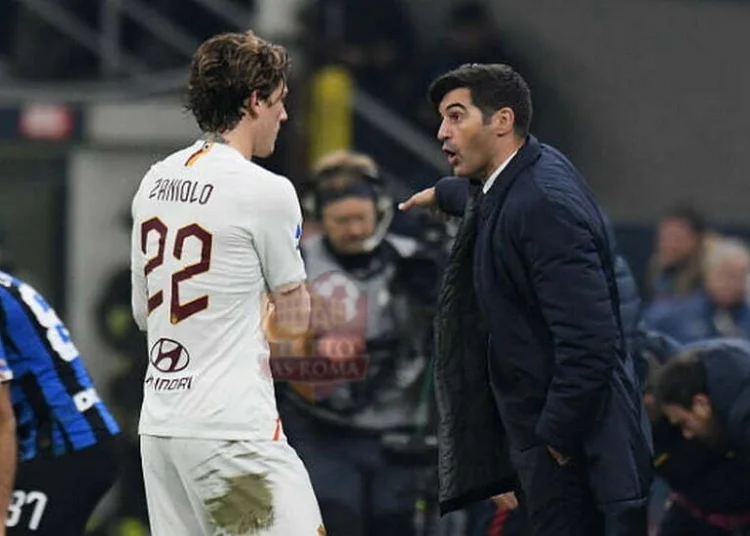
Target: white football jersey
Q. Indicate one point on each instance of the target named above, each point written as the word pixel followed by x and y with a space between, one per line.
pixel 212 233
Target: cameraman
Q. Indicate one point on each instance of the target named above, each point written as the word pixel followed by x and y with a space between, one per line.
pixel 381 290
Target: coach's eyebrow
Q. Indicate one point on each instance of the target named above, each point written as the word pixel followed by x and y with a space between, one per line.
pixel 455 105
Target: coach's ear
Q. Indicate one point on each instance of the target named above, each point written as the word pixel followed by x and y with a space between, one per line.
pixel 503 120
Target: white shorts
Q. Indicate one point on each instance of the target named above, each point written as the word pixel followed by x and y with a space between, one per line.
pixel 206 487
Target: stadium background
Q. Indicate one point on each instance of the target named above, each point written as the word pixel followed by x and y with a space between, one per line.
pixel 648 97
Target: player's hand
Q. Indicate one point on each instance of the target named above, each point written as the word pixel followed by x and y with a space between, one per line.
pixel 561 459
pixel 270 327
pixel 506 501
pixel 269 321
pixel 424 199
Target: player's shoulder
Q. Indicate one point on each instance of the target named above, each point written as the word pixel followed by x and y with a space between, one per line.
pixel 262 186
pixel 169 162
pixel 178 158
pixel 267 178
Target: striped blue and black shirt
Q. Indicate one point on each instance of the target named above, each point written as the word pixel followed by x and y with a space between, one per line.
pixel 57 408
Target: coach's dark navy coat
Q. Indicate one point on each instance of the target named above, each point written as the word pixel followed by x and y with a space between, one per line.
pixel 560 373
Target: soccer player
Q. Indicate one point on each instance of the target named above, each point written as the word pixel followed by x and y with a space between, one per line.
pixel 64 436
pixel 7 440
pixel 213 233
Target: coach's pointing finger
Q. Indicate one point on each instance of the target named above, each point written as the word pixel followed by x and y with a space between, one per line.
pixel 425 199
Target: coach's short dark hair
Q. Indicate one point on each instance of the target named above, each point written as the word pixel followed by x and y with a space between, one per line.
pixel 681 379
pixel 492 86
pixel 226 69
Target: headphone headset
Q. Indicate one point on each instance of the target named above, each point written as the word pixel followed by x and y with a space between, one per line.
pixel 311 201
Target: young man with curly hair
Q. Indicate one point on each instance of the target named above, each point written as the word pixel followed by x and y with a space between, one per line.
pixel 214 235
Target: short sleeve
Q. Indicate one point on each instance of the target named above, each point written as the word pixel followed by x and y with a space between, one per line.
pixel 276 227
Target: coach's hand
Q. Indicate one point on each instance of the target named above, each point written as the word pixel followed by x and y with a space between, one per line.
pixel 506 501
pixel 425 199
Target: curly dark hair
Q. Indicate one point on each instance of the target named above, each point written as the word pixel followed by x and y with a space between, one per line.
pixel 493 86
pixel 226 69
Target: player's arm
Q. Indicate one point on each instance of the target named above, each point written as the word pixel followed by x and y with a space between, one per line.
pixel 8 447
pixel 276 230
pixel 138 298
pixel 289 312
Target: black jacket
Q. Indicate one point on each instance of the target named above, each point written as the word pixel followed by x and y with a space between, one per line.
pixel 558 368
pixel 728 381
pixel 630 299
pixel 474 460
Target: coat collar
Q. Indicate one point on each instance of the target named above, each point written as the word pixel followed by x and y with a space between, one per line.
pixel 527 155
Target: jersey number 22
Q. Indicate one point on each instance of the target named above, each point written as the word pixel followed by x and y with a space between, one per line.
pixel 177 311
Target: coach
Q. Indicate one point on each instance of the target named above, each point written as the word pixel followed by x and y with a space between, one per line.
pixel 548 392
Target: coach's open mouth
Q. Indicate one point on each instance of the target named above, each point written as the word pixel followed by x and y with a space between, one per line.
pixel 451 155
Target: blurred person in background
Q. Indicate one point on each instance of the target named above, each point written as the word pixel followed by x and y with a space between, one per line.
pixel 216 272
pixel 66 437
pixel 675 268
pixel 386 285
pixel 720 307
pixel 706 490
pixel 704 395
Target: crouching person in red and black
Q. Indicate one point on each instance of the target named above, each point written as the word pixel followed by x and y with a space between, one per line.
pixel 703 439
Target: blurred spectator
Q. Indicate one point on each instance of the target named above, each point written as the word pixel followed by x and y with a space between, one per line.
pixel 710 491
pixel 720 309
pixel 704 394
pixel 385 287
pixel 676 264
